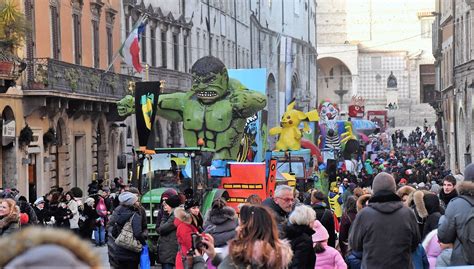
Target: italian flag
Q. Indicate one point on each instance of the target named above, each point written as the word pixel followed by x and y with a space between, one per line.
pixel 130 50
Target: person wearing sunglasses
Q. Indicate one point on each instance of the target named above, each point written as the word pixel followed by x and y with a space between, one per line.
pixel 281 204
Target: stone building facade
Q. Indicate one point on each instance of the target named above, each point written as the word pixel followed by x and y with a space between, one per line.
pixel 361 43
pixel 64 105
pixel 453 49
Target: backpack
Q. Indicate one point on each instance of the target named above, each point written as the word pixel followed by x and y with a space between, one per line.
pixel 101 208
pixel 467 235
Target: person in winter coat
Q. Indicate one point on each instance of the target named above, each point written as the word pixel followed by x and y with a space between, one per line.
pixel 256 245
pixel 142 211
pixel 221 223
pixel 433 208
pixel 281 204
pixel 455 221
pixel 9 217
pixel 73 206
pixel 382 247
pixel 40 211
pixel 26 208
pixel 324 215
pixel 299 232
pixel 326 257
pixel 432 247
pixel 62 215
pixel 90 215
pixel 192 206
pixel 167 242
pixel 161 213
pixel 448 192
pixel 184 230
pixel 335 201
pixel 127 210
pixel 349 215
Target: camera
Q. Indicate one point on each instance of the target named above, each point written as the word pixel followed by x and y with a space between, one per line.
pixel 197 241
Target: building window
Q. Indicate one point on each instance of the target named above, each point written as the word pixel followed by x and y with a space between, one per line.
pixel 143 45
pixel 176 51
pixel 376 63
pixel 153 46
pixel 163 49
pixel 55 32
pixel 95 42
pixel 185 53
pixel 76 20
pixel 198 42
pixel 110 46
pixel 426 27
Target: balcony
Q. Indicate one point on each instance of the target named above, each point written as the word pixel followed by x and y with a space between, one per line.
pixel 45 76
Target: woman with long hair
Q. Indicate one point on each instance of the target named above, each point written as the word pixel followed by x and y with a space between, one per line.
pixel 9 217
pixel 256 245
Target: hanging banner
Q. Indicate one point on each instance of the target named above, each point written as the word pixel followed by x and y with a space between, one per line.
pixel 146 100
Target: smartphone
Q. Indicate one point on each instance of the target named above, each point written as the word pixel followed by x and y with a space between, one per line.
pixel 197 241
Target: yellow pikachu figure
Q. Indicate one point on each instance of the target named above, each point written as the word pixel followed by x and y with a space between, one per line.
pixel 290 134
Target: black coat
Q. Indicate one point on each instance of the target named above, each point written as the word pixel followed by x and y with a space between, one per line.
pixel 302 246
pixel 117 220
pixel 167 242
pixel 280 215
pixel 385 232
pixel 326 218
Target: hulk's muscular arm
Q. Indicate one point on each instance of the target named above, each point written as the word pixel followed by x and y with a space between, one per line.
pixel 245 102
pixel 170 106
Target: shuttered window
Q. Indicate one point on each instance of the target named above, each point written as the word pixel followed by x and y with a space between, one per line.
pixel 95 40
pixel 153 46
pixel 55 32
pixel 77 39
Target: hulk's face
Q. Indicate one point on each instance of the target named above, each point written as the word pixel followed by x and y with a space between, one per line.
pixel 210 88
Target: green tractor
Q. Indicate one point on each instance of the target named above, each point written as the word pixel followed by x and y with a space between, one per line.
pixel 182 169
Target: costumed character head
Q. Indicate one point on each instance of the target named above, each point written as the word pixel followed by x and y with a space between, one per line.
pixel 210 79
pixel 328 111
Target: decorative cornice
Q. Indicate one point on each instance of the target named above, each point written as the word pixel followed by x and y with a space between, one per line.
pixel 96 9
pixel 110 14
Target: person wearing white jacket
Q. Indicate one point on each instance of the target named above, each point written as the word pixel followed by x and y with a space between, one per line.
pixel 74 207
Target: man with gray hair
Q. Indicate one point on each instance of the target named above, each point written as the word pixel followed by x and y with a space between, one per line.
pixel 281 204
pixel 385 231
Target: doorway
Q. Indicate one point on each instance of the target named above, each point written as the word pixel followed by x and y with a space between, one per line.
pixel 32 179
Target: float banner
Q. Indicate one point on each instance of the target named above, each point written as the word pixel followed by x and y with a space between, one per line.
pixel 146 100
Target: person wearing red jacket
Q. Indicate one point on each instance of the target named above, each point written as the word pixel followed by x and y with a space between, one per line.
pixel 184 230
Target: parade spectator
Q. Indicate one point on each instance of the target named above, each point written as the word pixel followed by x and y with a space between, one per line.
pixel 36 247
pixel 128 210
pixel 62 215
pixel 327 257
pixel 167 242
pixel 254 200
pixel 221 223
pixel 281 204
pixel 41 213
pixel 335 201
pixel 142 211
pixel 9 217
pixel 349 215
pixel 90 217
pixel 184 230
pixel 257 244
pixel 324 215
pixel 192 206
pixel 458 223
pixel 382 247
pixel 299 232
pixel 404 193
pixel 73 207
pixel 162 213
pixel 26 208
pixel 432 247
pixel 433 208
pixel 448 192
pixel 344 186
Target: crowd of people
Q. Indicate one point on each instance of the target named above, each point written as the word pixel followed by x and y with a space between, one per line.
pixel 396 209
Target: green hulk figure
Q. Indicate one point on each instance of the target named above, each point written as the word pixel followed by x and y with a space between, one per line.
pixel 215 109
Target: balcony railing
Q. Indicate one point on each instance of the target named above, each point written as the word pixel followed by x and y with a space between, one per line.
pixel 62 77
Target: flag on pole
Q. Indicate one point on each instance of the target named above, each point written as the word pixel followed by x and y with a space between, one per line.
pixel 130 50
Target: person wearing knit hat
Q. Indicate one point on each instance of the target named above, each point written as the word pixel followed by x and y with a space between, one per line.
pixel 173 201
pixel 128 198
pixel 382 247
pixel 453 224
pixel 192 206
pixel 326 256
pixel 384 182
